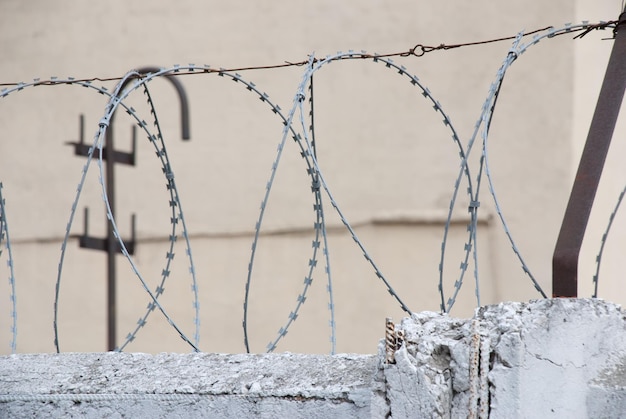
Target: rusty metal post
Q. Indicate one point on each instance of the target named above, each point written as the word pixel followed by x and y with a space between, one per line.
pixel 569 242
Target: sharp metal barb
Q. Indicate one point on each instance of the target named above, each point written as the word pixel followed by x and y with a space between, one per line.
pixel 605 236
pixel 5 239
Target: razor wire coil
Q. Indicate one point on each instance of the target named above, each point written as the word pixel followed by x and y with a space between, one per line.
pixel 297 126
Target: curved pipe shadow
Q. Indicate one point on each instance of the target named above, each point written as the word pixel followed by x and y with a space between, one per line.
pixel 182 95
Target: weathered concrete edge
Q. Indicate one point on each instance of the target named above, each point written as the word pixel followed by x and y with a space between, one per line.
pixel 285 374
pixel 196 384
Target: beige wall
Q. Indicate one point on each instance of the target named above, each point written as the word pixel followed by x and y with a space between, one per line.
pixel 386 156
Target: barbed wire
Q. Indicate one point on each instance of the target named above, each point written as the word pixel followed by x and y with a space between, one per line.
pixel 419 50
pixel 115 100
pixel 5 240
pixel 176 216
pixel 295 127
pixel 605 236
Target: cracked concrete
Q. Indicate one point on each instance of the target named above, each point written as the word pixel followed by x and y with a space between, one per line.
pixel 546 358
pixel 548 353
pixel 543 359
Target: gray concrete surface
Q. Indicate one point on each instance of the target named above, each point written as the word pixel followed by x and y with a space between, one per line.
pixel 186 385
pixel 547 358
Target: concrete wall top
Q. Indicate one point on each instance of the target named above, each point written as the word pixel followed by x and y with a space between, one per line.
pixel 546 358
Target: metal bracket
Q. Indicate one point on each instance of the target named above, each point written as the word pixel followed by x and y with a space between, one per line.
pixel 82 149
pixel 88 242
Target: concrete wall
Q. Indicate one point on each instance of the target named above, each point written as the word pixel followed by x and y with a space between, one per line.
pixel 386 155
pixel 548 358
